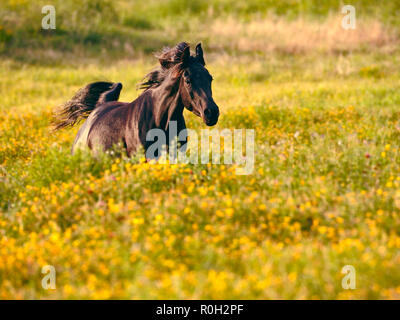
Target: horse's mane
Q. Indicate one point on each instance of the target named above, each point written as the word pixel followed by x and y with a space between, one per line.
pixel 170 61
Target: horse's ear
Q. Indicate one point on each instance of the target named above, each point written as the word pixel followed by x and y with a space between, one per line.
pixel 179 54
pixel 199 54
pixel 185 55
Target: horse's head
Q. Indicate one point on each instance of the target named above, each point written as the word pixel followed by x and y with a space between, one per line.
pixel 195 87
pixel 194 80
pixel 186 75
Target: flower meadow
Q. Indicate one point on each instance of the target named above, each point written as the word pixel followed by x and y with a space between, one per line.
pixel 324 193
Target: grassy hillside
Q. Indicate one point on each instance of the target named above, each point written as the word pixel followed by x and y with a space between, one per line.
pixel 325 191
pixel 120 29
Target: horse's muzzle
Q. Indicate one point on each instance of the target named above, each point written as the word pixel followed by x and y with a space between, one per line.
pixel 211 114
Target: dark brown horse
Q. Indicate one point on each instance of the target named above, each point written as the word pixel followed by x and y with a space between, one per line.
pixel 180 82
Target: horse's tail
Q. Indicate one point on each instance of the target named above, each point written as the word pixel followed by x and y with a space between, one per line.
pixel 85 101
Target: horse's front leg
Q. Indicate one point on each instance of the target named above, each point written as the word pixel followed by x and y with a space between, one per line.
pixel 182 135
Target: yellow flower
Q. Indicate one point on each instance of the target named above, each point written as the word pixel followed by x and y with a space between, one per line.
pixel 229 212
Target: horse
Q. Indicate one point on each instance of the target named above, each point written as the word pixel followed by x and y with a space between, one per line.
pixel 181 81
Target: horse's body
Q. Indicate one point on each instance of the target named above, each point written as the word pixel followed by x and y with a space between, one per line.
pixel 181 81
pixel 128 123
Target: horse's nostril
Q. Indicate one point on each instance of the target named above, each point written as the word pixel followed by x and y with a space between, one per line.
pixel 207 112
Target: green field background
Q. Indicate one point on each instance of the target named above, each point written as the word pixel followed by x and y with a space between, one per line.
pixel 325 191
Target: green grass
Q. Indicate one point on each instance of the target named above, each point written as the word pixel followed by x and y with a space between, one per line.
pixel 86 28
pixel 325 191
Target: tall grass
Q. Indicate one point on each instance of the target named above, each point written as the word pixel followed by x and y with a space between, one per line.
pixel 143 26
pixel 325 191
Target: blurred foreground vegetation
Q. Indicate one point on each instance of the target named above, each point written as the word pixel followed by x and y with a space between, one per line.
pixel 325 192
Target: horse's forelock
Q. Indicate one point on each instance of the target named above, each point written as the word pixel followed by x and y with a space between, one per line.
pixel 172 56
pixel 180 50
pixel 171 60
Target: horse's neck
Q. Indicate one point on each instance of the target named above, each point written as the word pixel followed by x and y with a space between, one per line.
pixel 167 106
